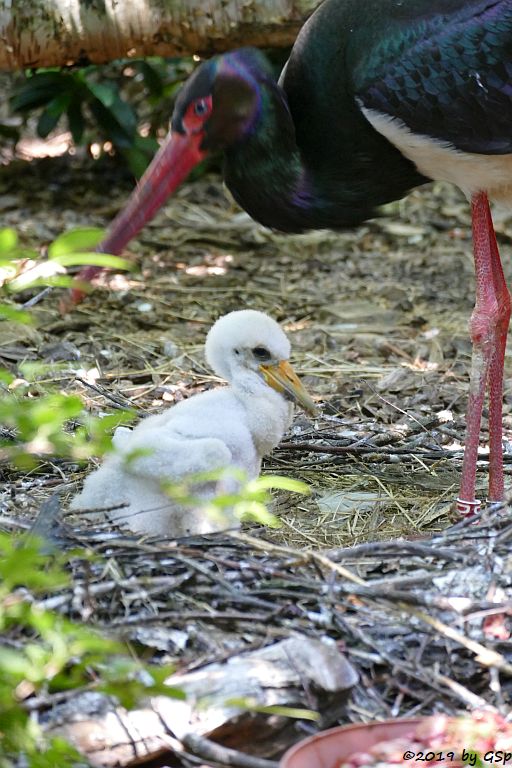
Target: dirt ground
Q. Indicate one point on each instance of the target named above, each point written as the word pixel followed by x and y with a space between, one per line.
pixel 377 318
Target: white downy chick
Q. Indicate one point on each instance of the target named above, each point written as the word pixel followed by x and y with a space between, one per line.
pixel 233 426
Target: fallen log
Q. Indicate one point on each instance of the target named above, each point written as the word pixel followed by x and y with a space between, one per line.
pixel 43 33
pixel 225 702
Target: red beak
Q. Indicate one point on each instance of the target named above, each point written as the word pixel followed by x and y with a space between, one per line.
pixel 170 166
pixel 177 156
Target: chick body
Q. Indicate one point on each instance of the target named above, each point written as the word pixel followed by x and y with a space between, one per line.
pixel 222 429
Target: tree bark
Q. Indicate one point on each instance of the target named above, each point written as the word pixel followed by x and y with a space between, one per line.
pixel 42 33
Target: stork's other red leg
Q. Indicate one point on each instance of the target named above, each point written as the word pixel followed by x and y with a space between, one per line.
pixel 488 326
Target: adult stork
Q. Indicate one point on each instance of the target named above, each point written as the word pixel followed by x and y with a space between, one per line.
pixel 377 97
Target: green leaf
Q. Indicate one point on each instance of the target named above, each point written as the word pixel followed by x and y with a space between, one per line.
pixel 129 681
pixel 125 115
pixel 30 73
pixel 250 705
pixel 147 144
pixel 106 94
pixel 9 131
pixel 136 160
pixel 98 426
pixel 96 433
pixel 24 563
pixel 57 753
pixel 15 663
pixel 140 154
pixel 47 122
pixel 17 254
pixel 47 413
pixel 52 114
pixel 75 241
pixel 111 123
pixel 6 377
pixel 94 259
pixel 31 370
pixel 267 482
pixel 257 512
pixel 56 281
pixel 8 240
pixel 16 315
pixel 56 409
pixel 76 121
pixel 38 90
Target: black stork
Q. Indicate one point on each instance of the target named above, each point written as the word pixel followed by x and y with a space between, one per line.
pixel 378 97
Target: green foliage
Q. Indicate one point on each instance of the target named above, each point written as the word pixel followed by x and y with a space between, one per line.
pixel 249 501
pixel 42 427
pixel 9 131
pixel 40 415
pixel 8 240
pixel 92 259
pixel 18 315
pixel 52 654
pixel 74 241
pixel 250 705
pixel 255 498
pixel 43 653
pixel 129 681
pixel 71 249
pixel 108 103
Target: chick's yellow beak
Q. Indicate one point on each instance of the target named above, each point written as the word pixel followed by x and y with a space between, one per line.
pixel 283 378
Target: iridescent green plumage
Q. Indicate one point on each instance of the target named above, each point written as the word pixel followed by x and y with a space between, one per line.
pixel 310 159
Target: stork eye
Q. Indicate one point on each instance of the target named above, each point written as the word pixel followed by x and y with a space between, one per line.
pixel 261 353
pixel 196 114
pixel 201 107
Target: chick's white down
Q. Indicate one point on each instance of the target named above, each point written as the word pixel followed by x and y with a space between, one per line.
pixel 233 426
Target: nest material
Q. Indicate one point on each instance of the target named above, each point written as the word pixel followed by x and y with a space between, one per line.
pixel 377 318
pixel 425 622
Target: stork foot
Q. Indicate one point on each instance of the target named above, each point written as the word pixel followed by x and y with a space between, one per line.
pixel 495 506
pixel 467 508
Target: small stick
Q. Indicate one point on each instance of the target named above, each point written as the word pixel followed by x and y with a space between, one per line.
pixel 118 401
pixel 209 750
pixel 485 656
pixel 467 696
pixel 301 556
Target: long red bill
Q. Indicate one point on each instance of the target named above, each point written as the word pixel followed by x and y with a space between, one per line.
pixel 177 156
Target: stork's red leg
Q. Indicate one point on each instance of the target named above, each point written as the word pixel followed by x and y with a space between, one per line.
pixel 488 326
pixel 496 478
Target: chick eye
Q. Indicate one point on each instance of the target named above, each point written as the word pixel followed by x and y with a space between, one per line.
pixel 261 353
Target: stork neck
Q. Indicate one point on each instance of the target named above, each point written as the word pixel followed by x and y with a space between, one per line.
pixel 264 172
pixel 312 160
pixel 265 185
pixel 286 184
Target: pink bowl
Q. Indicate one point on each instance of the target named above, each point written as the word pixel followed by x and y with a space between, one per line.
pixel 329 748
